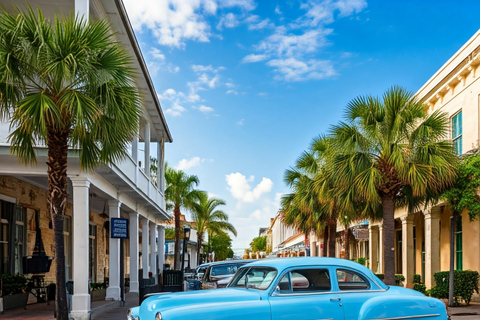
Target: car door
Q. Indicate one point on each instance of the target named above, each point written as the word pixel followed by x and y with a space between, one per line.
pixel 306 293
pixel 354 290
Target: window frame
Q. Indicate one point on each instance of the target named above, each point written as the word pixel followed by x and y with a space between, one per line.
pixel 275 292
pixel 362 275
pixel 459 137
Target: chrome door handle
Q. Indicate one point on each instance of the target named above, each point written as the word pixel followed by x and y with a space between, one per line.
pixel 335 299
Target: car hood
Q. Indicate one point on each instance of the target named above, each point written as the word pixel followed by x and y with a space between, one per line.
pixel 166 301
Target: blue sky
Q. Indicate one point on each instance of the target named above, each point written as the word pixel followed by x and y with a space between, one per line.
pixel 246 85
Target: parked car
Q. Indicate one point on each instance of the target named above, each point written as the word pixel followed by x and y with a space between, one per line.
pixel 200 271
pixel 295 288
pixel 219 274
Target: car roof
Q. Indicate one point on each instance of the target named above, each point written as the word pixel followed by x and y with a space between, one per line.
pixel 282 263
pixel 212 264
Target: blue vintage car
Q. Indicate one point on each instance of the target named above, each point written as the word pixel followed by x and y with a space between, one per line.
pixel 295 288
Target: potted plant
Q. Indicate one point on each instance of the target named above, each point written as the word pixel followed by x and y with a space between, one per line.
pixel 13 291
pixel 98 291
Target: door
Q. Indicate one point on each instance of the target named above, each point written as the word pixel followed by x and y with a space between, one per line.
pixel 306 293
pixel 354 290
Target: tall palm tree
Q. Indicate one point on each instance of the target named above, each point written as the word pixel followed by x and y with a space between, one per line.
pixel 179 193
pixel 390 153
pixel 208 219
pixel 65 84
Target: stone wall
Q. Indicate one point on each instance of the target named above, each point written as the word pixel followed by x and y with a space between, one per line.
pixel 35 199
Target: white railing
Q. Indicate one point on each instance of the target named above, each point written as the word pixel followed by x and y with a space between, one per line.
pixel 128 167
pixel 142 182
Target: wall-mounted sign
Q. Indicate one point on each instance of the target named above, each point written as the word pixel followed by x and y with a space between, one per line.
pixel 119 227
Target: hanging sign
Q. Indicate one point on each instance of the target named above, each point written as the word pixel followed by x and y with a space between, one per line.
pixel 119 227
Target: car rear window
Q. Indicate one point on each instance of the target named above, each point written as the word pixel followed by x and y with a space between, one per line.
pixel 305 280
pixel 351 280
pixel 224 269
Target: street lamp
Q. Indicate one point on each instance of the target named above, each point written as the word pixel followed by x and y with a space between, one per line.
pixel 186 237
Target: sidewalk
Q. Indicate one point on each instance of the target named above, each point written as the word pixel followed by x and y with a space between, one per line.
pixel 472 312
pixel 116 312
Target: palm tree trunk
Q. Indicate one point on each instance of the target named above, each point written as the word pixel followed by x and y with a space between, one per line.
pixel 176 257
pixel 57 200
pixel 332 232
pixel 347 243
pixel 453 226
pixel 388 205
pixel 199 246
pixel 325 241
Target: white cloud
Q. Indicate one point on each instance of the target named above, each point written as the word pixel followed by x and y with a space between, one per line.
pixel 255 58
pixel 240 123
pixel 176 110
pixel 241 189
pixel 292 69
pixel 173 22
pixel 228 21
pixel 292 49
pixel 205 109
pixel 231 92
pixel 157 61
pixel 186 164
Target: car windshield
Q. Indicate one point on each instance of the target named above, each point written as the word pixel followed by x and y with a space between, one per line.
pixel 224 269
pixel 253 277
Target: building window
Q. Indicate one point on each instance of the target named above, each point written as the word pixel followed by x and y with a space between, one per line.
pixel 12 237
pixel 457 133
pixel 21 217
pixel 459 244
pixel 67 231
pixel 92 252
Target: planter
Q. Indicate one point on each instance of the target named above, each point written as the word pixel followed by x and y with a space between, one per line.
pixel 14 301
pixel 98 295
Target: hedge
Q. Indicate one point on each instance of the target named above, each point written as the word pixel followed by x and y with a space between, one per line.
pixel 398 278
pixel 465 283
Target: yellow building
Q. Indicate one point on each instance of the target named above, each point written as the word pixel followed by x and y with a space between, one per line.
pixel 422 240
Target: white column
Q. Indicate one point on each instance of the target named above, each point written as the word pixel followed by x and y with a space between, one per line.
pixel 380 248
pixel 159 166
pixel 81 214
pixel 82 8
pixel 145 248
pixel 373 247
pixel 432 245
pixel 161 247
pixel 134 242
pixel 153 249
pixel 113 290
pixel 408 251
pixel 147 148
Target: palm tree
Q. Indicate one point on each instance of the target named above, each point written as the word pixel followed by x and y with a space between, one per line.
pixel 65 84
pixel 180 193
pixel 208 219
pixel 391 153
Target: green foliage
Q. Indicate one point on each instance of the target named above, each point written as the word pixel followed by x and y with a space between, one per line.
pixel 420 287
pixel 417 278
pixel 465 283
pixel 13 284
pixel 361 260
pixel 222 246
pixel 399 278
pixel 463 195
pixel 259 244
pixel 98 285
pixel 170 234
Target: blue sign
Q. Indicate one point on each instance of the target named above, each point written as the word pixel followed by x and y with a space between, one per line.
pixel 119 227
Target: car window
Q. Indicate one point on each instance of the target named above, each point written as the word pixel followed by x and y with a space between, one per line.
pixel 224 270
pixel 255 278
pixel 305 280
pixel 351 280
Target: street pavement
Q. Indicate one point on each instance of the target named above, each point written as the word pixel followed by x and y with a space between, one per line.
pixel 131 300
pixel 472 312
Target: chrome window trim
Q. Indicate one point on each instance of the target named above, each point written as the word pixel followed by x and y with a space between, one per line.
pixel 326 292
pixel 409 317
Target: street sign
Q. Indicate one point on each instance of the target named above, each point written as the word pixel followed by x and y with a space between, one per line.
pixel 119 227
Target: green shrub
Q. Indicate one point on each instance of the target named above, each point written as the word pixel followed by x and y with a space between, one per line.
pixel 362 261
pixel 97 285
pixel 417 278
pixel 398 278
pixel 420 287
pixel 13 284
pixel 465 283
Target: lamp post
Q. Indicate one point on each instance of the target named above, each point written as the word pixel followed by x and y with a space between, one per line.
pixel 186 237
